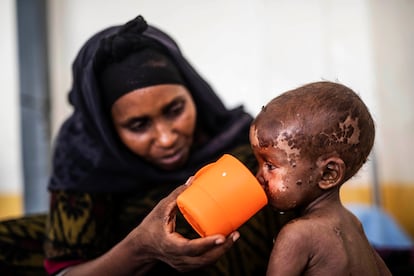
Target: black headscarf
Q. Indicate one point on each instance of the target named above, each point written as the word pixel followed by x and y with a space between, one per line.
pixel 137 70
pixel 88 154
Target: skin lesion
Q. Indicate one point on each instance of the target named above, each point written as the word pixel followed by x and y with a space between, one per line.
pixel 351 131
pixel 286 142
pixel 347 132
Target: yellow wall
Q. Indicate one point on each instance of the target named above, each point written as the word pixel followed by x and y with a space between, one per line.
pixel 10 206
pixel 397 199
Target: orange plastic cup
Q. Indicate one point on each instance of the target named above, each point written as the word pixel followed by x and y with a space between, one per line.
pixel 222 196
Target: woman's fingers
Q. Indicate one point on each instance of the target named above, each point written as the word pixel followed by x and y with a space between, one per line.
pixel 190 254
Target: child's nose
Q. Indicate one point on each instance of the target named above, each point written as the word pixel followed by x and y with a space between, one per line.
pixel 259 176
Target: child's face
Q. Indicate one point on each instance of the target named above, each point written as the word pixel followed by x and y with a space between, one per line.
pixel 289 179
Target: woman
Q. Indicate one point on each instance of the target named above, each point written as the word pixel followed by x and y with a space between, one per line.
pixel 144 121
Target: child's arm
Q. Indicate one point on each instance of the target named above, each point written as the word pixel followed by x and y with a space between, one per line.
pixel 290 251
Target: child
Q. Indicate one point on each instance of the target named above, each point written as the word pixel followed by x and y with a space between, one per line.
pixel 308 142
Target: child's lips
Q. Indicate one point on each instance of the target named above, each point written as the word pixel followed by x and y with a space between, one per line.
pixel 264 186
pixel 265 189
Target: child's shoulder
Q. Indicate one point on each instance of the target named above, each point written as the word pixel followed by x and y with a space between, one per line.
pixel 298 227
pixel 307 226
pixel 296 232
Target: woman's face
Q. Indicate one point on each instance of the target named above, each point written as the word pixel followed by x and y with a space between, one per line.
pixel 157 123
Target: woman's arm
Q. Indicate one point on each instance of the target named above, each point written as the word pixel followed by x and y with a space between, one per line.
pixel 155 240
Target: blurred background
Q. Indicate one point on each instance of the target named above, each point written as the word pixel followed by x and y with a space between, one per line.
pixel 250 51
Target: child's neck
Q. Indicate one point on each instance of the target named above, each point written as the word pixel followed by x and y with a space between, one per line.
pixel 326 201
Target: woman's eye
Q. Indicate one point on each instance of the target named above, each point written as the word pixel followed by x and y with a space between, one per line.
pixel 175 109
pixel 140 125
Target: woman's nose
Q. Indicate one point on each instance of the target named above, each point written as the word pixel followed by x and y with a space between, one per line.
pixel 165 136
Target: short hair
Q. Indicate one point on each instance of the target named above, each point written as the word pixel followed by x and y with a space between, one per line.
pixel 322 117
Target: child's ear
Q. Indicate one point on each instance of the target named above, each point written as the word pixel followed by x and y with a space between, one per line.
pixel 333 171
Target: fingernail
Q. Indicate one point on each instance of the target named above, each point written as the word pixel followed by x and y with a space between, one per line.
pixel 220 241
pixel 235 236
pixel 188 181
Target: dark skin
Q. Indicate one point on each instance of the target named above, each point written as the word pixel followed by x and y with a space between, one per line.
pixel 157 123
pixel 154 240
pixel 298 174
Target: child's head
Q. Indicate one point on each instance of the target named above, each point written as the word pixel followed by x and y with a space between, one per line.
pixel 309 140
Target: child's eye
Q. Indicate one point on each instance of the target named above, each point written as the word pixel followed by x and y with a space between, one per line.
pixel 269 166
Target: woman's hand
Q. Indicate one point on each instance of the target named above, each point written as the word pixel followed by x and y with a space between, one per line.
pixel 156 237
pixel 155 240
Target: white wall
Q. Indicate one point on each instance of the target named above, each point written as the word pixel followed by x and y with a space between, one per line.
pixel 393 37
pixel 250 51
pixel 10 159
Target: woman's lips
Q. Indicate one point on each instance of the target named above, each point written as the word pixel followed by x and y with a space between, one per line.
pixel 175 158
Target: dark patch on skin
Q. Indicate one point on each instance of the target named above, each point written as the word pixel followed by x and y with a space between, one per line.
pixel 346 133
pixel 299 182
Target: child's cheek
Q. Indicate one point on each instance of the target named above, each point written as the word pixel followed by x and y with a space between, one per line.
pixel 277 194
